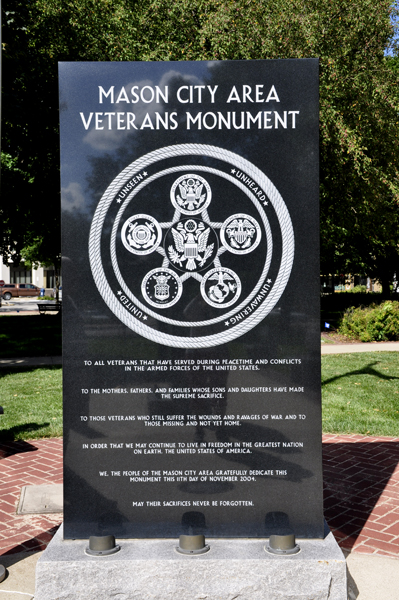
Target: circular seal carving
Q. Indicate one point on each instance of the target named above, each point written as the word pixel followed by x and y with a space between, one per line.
pixel 190 194
pixel 161 288
pixel 240 234
pixel 220 294
pixel 221 287
pixel 141 234
pixel 191 245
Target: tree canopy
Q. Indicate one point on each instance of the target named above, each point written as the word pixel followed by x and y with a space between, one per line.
pixel 359 102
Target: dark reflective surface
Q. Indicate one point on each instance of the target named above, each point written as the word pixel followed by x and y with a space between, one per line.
pixel 191 317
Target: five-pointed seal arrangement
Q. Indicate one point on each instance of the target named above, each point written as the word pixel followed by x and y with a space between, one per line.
pixel 191 246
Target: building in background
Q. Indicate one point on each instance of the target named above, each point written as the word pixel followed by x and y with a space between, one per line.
pixel 346 283
pixel 41 276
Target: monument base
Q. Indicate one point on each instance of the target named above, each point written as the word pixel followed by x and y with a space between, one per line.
pixel 152 569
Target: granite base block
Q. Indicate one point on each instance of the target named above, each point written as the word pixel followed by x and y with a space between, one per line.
pixel 152 570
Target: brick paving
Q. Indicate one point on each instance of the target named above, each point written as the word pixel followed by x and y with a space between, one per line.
pixel 361 492
pixel 36 462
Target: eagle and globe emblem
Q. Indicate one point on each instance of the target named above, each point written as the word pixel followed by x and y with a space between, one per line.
pixel 183 279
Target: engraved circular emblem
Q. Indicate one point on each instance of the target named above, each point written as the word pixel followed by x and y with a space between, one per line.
pixel 161 288
pixel 210 258
pixel 191 194
pixel 220 287
pixel 191 245
pixel 240 234
pixel 141 234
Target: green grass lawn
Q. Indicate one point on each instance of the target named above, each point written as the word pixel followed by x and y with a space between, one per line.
pixel 32 402
pixel 360 395
pixel 33 335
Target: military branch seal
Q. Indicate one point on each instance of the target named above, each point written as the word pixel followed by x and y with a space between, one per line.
pixel 141 234
pixel 220 287
pixel 161 288
pixel 191 194
pixel 240 234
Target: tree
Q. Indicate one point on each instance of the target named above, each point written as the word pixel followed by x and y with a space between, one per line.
pixel 358 104
pixel 36 35
pixel 30 181
pixel 358 100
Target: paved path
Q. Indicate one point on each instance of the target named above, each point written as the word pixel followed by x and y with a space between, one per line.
pixel 31 361
pixel 37 361
pixel 361 492
pixel 361 480
pixel 328 348
pixel 20 306
pixel 27 463
pixel 361 499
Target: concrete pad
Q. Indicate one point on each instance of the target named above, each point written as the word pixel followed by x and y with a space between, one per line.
pixel 20 578
pixel 153 569
pixel 41 499
pixel 372 577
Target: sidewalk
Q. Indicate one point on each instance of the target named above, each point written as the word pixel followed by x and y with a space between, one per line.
pixel 36 462
pixel 39 361
pixel 19 306
pixel 361 501
pixel 361 495
pixel 31 361
pixel 361 492
pixel 361 347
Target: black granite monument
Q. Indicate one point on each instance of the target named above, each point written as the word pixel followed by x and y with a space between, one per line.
pixel 190 289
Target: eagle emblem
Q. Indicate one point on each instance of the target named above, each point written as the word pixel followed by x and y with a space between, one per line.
pixel 240 232
pixel 190 245
pixel 190 194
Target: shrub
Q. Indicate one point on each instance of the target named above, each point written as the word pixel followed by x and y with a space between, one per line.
pixel 358 289
pixel 344 300
pixel 373 323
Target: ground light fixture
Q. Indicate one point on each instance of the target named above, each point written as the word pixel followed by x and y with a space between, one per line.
pixel 192 545
pixel 283 545
pixel 102 545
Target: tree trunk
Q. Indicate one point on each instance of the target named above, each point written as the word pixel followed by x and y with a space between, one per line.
pixel 386 286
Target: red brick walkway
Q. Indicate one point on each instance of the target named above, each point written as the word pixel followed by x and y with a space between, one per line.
pixel 361 480
pixel 27 463
pixel 361 492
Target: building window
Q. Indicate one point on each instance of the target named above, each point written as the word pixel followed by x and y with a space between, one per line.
pixel 20 275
